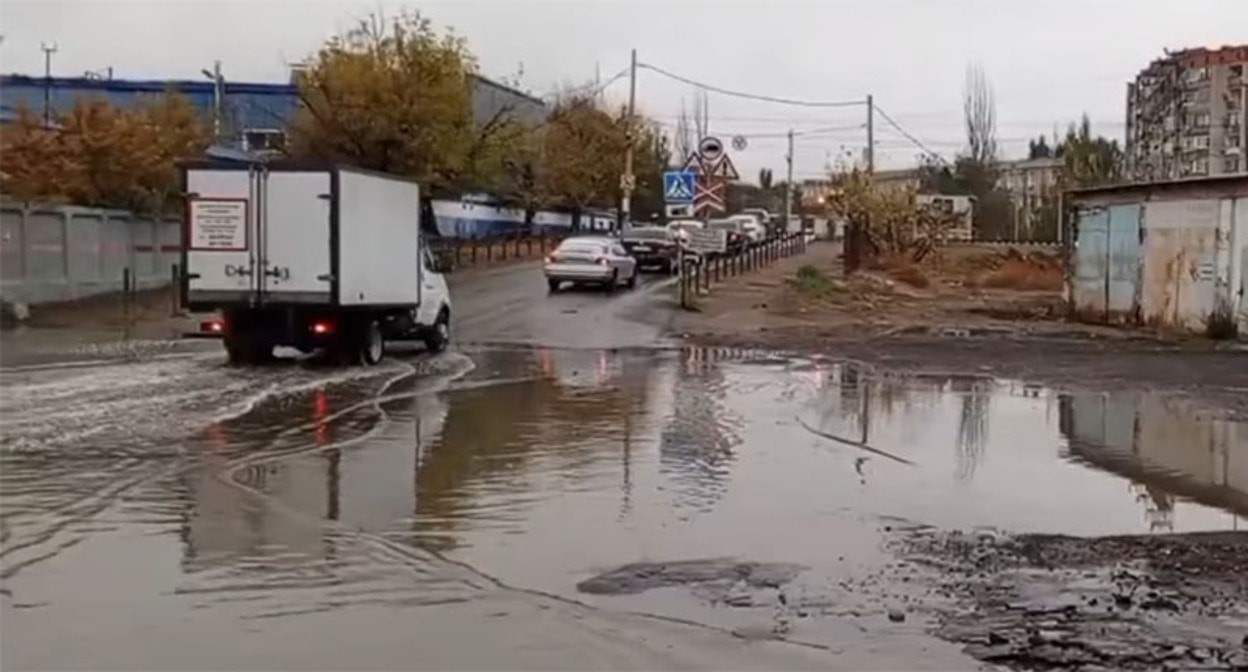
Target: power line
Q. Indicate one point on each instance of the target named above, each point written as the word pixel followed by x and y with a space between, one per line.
pixel 750 96
pixel 911 138
pixel 591 88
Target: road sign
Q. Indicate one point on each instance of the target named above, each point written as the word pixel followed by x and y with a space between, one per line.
pixel 723 169
pixel 710 149
pixel 678 186
pixel 693 164
pixel 708 241
pixel 628 182
pixel 739 143
pixel 679 210
pixel 710 198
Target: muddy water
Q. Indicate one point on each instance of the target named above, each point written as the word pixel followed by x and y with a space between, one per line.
pixel 551 508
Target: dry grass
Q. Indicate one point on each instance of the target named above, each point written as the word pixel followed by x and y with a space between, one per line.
pixel 909 274
pixel 1028 275
pixel 901 269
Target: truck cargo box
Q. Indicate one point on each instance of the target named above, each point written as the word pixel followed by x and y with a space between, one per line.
pixel 296 233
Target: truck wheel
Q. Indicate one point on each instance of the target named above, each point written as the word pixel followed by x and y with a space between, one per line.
pixel 553 285
pixel 440 335
pixel 246 348
pixel 632 280
pixel 612 283
pixel 372 344
pixel 236 353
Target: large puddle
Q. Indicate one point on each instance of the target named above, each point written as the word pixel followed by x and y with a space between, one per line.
pixel 770 481
pixel 546 468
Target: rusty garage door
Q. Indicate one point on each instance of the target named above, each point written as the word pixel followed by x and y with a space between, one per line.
pixel 1123 248
pixel 1091 263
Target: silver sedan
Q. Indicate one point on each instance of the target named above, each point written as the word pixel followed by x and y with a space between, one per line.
pixel 595 260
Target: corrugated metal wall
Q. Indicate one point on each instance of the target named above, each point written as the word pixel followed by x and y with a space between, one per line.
pixel 1092 264
pixel 1124 261
pixel 1161 262
pixel 1179 262
pixel 1239 259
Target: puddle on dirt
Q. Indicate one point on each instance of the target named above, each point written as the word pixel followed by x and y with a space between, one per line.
pixel 545 468
pixel 758 485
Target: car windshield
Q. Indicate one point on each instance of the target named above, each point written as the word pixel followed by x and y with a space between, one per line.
pixel 647 234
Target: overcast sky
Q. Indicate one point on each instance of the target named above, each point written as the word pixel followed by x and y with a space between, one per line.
pixel 1048 60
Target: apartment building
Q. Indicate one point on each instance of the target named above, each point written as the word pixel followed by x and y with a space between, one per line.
pixel 1186 115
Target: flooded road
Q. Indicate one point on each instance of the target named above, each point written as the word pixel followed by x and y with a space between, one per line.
pixel 584 508
pixel 566 491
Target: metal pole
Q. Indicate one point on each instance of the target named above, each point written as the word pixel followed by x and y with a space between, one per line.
pixel 217 95
pixel 49 48
pixel 626 206
pixel 788 185
pixel 870 134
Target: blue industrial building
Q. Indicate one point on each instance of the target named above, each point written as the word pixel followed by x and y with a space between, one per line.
pixel 249 110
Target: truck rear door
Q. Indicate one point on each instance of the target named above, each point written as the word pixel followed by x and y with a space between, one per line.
pixel 295 226
pixel 221 235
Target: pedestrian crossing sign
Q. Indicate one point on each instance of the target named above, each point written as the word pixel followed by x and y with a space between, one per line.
pixel 678 186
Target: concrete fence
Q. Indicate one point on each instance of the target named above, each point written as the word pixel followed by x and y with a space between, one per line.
pixel 61 253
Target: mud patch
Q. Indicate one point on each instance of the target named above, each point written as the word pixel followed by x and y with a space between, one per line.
pixel 1172 602
pixel 639 577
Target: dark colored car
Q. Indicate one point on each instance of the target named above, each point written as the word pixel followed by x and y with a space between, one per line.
pixel 652 247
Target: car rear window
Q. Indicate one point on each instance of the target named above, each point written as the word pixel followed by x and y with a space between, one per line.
pixel 582 247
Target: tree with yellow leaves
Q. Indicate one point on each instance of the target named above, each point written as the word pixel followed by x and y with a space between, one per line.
pixel 98 154
pixel 582 156
pixel 884 221
pixel 396 96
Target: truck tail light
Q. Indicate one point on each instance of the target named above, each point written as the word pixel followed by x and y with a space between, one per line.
pixel 213 326
pixel 322 327
pixel 551 259
pixel 601 261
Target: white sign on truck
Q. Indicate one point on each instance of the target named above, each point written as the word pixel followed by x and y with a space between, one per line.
pixel 312 257
pixel 708 241
pixel 218 224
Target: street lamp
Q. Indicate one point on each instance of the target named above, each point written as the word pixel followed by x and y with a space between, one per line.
pixel 49 48
pixel 218 86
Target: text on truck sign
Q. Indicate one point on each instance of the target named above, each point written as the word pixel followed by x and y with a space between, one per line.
pixel 218 224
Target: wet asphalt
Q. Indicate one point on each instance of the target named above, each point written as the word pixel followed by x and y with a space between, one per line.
pixel 568 488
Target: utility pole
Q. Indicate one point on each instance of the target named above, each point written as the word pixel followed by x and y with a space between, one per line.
pixel 218 94
pixel 870 134
pixel 788 185
pixel 628 181
pixel 49 48
pixel 854 232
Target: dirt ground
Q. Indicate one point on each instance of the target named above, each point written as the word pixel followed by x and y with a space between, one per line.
pixel 1023 601
pixel 956 325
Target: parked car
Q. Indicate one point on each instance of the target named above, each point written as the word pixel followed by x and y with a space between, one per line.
pixel 769 221
pixel 680 228
pixel 737 237
pixel 753 228
pixel 652 247
pixel 590 260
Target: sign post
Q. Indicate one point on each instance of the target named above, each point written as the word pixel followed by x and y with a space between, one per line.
pixel 714 171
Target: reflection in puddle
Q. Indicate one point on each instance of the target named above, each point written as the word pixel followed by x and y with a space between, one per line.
pixel 593 457
pixel 546 468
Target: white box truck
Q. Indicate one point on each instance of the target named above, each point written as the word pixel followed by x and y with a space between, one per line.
pixel 310 256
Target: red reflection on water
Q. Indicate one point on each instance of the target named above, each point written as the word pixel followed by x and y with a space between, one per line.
pixel 320 411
